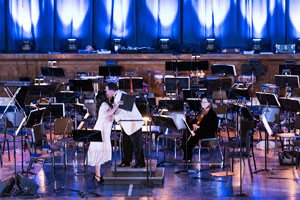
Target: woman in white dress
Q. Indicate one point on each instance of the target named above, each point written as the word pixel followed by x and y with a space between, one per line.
pixel 101 152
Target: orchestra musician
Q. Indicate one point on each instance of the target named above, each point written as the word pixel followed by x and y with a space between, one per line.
pixel 100 152
pixel 204 125
pixel 132 137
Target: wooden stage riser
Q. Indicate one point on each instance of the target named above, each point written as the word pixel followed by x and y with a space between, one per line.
pixel 17 65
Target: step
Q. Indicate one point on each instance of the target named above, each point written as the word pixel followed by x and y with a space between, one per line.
pixel 157 178
pixel 130 171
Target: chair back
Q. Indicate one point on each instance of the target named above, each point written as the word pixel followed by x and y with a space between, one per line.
pixel 13 119
pixel 63 126
pixel 249 137
pixel 38 136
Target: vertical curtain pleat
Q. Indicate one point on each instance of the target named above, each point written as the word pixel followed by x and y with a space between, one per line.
pixel 49 23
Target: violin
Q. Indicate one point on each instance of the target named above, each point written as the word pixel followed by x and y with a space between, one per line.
pixel 201 115
pixel 200 118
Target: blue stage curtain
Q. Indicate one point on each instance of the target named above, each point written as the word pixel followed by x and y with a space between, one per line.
pixel 293 21
pixel 158 19
pixel 31 21
pixel 73 19
pixel 113 19
pixel 2 24
pixel 233 23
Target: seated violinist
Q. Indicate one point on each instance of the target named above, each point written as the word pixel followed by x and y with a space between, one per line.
pixel 204 125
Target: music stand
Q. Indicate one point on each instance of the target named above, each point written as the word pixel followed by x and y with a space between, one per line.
pixel 218 84
pixel 66 97
pixel 145 104
pixel 287 81
pixel 173 84
pixel 124 83
pixel 53 71
pixel 168 123
pixel 56 110
pixel 235 93
pixel 268 99
pixel 35 117
pixel 253 70
pixel 35 92
pixel 194 93
pixel 186 65
pixel 110 71
pixel 82 85
pixel 223 69
pixel 172 105
pixel 87 136
pixel 291 106
pixel 289 68
pixel 194 104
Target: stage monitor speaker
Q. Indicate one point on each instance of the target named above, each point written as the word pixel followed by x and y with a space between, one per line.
pixel 6 185
pixel 27 185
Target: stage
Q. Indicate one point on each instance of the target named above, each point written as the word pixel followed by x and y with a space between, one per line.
pixel 280 182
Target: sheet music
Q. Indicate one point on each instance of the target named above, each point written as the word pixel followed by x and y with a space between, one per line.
pixel 266 124
pixel 177 118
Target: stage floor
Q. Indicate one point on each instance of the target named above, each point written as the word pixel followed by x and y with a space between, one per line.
pixel 282 182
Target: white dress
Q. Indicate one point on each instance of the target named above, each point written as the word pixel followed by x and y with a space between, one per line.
pixel 101 152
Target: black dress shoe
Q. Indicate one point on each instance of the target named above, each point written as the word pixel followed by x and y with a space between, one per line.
pixel 124 165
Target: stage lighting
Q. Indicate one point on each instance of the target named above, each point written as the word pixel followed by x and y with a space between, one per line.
pixel 116 44
pixel 210 45
pixel 256 45
pixel 72 45
pixel 26 46
pixel 164 43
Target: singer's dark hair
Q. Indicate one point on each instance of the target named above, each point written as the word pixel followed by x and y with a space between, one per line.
pixel 101 98
pixel 112 86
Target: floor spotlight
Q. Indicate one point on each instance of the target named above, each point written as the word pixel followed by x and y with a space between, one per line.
pixel 164 43
pixel 26 46
pixel 116 44
pixel 256 45
pixel 210 45
pixel 72 45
